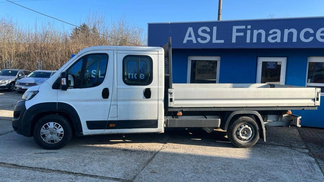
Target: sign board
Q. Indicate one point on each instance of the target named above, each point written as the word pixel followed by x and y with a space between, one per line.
pixel 271 65
pixel 269 33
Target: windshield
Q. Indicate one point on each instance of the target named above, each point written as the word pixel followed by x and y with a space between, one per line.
pixel 8 73
pixel 40 74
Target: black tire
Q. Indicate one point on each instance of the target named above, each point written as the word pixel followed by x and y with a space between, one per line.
pixel 52 136
pixel 243 132
pixel 11 87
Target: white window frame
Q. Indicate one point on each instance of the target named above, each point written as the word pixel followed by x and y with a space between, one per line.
pixel 203 58
pixel 283 61
pixel 317 60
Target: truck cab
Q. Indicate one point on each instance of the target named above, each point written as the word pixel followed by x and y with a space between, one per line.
pixel 108 90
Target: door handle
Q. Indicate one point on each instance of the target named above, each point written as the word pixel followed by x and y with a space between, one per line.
pixel 147 93
pixel 105 93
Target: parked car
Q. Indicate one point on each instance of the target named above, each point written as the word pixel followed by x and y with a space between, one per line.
pixel 8 77
pixel 35 78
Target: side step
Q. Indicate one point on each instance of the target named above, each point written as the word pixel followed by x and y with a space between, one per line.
pixel 192 122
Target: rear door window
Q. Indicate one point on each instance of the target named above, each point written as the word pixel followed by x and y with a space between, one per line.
pixel 137 70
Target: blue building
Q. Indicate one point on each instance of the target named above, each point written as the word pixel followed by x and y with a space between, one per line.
pixel 282 51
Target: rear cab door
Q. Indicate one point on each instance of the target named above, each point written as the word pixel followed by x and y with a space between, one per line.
pixel 139 92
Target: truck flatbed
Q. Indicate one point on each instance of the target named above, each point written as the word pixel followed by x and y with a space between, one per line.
pixel 256 96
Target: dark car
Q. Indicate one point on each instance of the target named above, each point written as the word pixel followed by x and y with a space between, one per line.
pixel 8 77
pixel 35 78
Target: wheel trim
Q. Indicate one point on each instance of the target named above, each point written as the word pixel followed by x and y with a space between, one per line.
pixel 52 132
pixel 245 132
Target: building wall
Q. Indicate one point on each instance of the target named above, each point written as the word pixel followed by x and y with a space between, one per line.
pixel 240 66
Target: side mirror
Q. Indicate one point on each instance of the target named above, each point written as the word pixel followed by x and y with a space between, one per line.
pixel 70 81
pixel 64 84
pixel 20 76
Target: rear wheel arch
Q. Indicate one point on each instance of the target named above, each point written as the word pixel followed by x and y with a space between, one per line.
pixel 230 118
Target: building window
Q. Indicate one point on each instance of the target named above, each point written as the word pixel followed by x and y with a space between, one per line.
pixel 271 70
pixel 203 69
pixel 137 70
pixel 315 72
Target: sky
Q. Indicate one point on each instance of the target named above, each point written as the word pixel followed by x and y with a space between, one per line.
pixel 142 12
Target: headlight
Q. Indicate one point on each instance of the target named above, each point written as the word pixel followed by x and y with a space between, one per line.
pixel 4 81
pixel 29 95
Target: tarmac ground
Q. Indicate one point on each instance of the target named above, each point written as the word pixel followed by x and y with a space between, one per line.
pixel 290 154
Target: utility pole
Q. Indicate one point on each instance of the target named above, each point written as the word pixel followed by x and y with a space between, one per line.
pixel 7 64
pixel 39 64
pixel 219 10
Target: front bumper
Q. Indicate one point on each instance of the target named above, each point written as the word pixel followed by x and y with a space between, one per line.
pixel 4 86
pixel 22 119
pixel 22 88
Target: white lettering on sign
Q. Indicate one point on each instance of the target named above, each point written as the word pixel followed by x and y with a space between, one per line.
pixel 215 36
pixel 319 35
pixel 275 36
pixel 206 35
pixel 235 33
pixel 260 32
pixel 190 35
pixel 248 36
pixel 302 35
pixel 294 35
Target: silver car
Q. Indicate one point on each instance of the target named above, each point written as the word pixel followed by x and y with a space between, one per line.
pixel 35 78
pixel 8 77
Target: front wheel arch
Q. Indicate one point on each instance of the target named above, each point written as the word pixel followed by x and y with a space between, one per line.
pixel 37 111
pixel 41 115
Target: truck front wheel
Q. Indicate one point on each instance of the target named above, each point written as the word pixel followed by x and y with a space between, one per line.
pixel 52 132
pixel 243 132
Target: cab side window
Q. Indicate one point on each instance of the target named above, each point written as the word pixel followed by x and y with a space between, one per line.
pixel 89 71
pixel 137 70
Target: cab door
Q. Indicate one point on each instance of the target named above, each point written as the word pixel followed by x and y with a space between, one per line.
pixel 138 93
pixel 89 93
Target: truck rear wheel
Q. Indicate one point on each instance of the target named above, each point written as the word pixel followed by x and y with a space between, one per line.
pixel 243 132
pixel 52 132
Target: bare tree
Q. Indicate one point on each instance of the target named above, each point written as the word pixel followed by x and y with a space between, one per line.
pixel 24 47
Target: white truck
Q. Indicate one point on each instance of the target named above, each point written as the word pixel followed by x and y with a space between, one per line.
pixel 114 90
